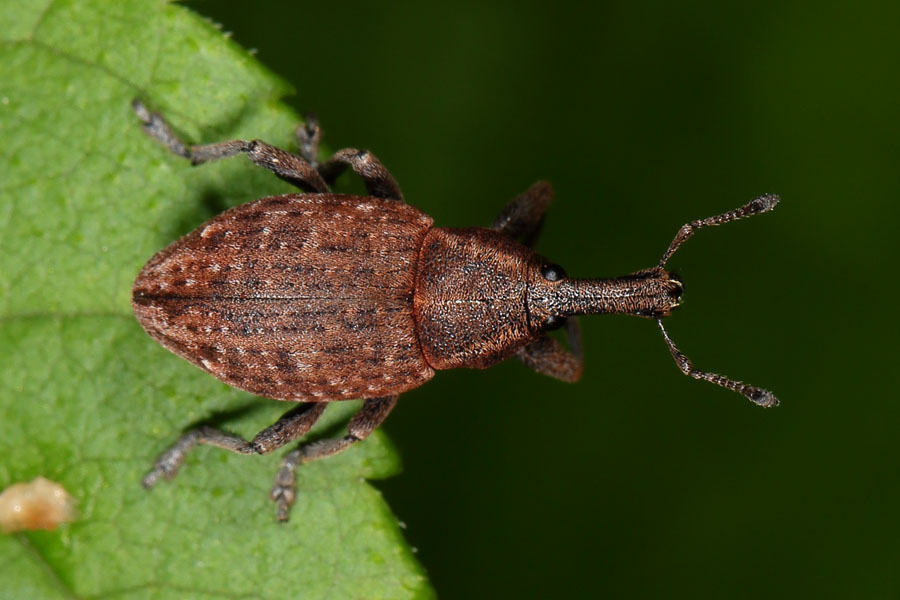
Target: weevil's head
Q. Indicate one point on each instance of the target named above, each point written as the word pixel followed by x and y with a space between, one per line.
pixel 553 296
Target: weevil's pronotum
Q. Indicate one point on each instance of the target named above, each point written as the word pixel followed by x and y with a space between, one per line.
pixel 318 297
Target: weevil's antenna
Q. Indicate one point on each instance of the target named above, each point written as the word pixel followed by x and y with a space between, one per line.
pixel 754 394
pixel 754 207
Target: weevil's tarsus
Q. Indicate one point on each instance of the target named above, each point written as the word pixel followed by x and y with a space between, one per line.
pixel 309 134
pixel 756 206
pixel 755 394
pixel 157 128
pixel 372 414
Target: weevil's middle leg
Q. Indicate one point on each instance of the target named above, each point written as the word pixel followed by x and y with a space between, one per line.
pixel 523 217
pixel 372 414
pixel 292 425
pixel 289 167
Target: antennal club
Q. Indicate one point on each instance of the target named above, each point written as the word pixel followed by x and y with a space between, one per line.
pixel 754 394
pixel 754 207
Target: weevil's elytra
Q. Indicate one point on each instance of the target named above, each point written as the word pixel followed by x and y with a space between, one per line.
pixel 303 297
pixel 318 297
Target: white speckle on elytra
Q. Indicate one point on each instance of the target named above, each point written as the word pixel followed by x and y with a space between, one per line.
pixel 240 351
pixel 207 329
pixel 237 266
pixel 318 393
pixel 214 267
pixel 220 349
pixel 266 231
pixel 189 282
pixel 206 364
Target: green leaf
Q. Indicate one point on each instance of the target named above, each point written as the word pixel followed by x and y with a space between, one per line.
pixel 86 398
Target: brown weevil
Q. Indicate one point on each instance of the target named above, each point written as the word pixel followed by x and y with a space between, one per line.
pixel 318 297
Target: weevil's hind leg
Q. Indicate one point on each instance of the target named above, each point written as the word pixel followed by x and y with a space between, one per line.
pixel 379 181
pixel 754 207
pixel 292 425
pixel 289 167
pixel 523 217
pixel 755 394
pixel 549 357
pixel 370 416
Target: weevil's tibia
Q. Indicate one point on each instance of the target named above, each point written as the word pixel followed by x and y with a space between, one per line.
pixel 756 395
pixel 754 207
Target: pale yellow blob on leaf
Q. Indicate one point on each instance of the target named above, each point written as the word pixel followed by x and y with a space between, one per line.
pixel 38 504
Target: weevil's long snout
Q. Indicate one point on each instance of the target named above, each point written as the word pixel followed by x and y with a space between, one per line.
pixel 650 293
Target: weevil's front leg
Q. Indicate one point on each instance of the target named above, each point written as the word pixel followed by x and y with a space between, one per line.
pixel 547 356
pixel 370 416
pixel 290 167
pixel 523 217
pixel 292 425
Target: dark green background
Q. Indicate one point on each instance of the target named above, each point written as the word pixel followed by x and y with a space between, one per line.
pixel 637 481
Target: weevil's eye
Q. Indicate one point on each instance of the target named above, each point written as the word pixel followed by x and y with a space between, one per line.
pixel 554 322
pixel 553 272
